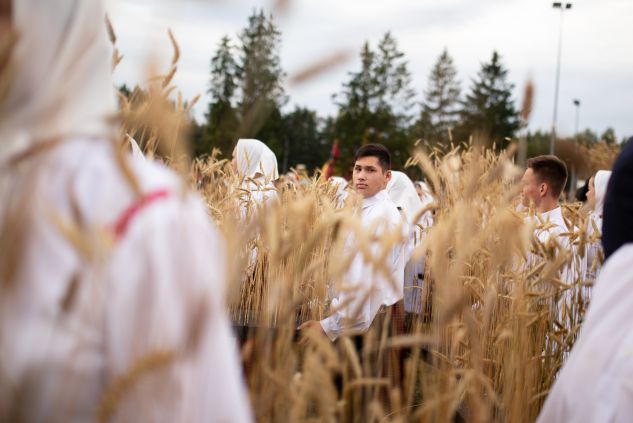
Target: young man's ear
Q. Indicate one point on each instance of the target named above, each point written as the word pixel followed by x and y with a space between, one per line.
pixel 542 189
pixel 387 176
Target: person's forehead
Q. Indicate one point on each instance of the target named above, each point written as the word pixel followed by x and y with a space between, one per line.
pixel 368 161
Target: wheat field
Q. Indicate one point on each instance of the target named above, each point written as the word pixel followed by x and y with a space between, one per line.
pixel 496 326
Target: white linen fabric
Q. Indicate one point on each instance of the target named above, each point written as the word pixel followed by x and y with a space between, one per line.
pixel 133 299
pixel 366 289
pixel 104 280
pixel 596 382
pixel 594 249
pixel 402 192
pixel 60 75
pixel 554 227
pixel 255 160
pixel 137 153
pixel 600 182
pixel 427 196
pixel 341 192
pixel 257 166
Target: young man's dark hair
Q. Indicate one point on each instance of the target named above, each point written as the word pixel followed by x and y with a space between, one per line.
pixel 549 169
pixel 375 150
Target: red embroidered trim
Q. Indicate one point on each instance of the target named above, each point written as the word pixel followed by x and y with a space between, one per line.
pixel 121 226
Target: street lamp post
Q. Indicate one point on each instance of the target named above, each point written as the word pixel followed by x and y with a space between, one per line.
pixel 574 176
pixel 562 7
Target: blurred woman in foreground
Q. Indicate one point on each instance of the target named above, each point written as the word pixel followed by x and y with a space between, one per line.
pixel 111 277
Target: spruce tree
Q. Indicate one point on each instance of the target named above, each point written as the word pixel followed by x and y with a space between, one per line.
pixel 608 136
pixel 260 74
pixel 440 108
pixel 375 103
pixel 394 98
pixel 305 143
pixel 222 119
pixel 355 117
pixel 393 80
pixel 488 111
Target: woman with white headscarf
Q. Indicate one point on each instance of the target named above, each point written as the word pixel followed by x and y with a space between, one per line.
pixel 595 195
pixel 422 188
pixel 256 165
pixel 402 192
pixel 111 277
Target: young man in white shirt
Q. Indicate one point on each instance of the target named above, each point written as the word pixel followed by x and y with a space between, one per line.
pixel 543 182
pixel 366 289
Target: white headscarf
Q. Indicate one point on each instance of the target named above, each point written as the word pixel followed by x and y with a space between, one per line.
pixel 402 192
pixel 600 182
pixel 61 81
pixel 340 184
pixel 427 196
pixel 253 157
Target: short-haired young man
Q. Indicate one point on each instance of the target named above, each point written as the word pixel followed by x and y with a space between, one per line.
pixel 369 289
pixel 543 181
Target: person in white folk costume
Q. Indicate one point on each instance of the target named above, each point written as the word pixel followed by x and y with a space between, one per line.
pixel 543 182
pixel 256 166
pixel 111 292
pixel 341 190
pixel 596 382
pixel 424 192
pixel 403 193
pixel 367 290
pixel 595 195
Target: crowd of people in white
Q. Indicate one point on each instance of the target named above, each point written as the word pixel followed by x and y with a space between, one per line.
pixel 103 272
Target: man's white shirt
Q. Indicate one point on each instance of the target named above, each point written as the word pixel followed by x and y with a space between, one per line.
pixel 366 288
pixel 554 226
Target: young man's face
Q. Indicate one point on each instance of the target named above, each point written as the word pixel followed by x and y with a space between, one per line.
pixel 369 177
pixel 531 189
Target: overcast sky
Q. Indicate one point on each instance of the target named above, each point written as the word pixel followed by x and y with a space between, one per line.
pixel 597 59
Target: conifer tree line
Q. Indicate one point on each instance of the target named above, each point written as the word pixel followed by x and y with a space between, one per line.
pixel 377 103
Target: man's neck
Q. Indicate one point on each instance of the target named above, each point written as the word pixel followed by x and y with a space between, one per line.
pixel 547 206
pixel 371 200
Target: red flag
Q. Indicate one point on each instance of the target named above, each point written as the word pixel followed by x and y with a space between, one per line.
pixel 336 151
